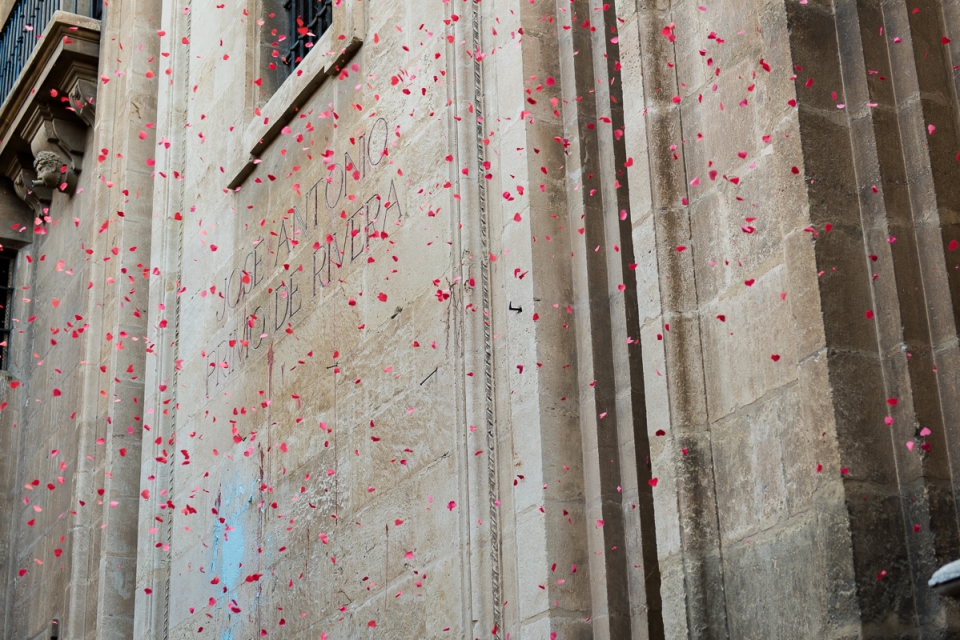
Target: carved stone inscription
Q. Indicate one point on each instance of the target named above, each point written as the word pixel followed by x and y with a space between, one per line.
pixel 340 219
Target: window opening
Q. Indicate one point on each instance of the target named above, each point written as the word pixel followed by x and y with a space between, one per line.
pixel 8 261
pixel 308 20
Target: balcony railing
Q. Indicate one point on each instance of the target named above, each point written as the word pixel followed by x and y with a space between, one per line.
pixel 20 33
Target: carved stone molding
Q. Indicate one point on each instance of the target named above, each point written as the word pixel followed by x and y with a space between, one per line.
pixel 50 170
pixel 45 119
pixel 83 99
pixel 21 171
pixel 57 146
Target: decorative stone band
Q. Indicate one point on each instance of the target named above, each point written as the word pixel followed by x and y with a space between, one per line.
pixel 44 119
pixel 488 355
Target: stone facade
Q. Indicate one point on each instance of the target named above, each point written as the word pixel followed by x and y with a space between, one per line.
pixel 498 319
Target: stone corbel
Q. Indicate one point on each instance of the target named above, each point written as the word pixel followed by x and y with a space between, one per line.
pixel 83 99
pixel 24 177
pixel 57 147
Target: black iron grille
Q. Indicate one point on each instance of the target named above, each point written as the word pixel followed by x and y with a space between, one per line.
pixel 19 35
pixel 308 19
pixel 8 261
pixel 18 38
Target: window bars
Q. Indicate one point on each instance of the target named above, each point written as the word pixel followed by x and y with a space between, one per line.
pixel 308 20
pixel 8 261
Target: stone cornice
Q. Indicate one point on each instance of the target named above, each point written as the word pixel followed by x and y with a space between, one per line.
pixel 43 120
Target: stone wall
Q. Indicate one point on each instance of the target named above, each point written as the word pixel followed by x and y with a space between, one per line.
pixel 513 318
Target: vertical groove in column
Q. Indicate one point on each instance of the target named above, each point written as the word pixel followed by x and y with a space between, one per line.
pixel 635 411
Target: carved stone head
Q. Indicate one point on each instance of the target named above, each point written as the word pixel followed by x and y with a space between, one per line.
pixel 48 165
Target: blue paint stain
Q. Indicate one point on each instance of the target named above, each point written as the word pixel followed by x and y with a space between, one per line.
pixel 229 546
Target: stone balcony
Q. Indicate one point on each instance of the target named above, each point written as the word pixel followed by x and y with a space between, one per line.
pixel 48 89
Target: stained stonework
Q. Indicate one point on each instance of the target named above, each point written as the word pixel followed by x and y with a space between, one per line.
pixel 499 319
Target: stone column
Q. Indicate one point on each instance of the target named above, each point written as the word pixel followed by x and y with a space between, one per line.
pixel 793 190
pixel 879 155
pixel 102 604
pixel 541 468
pixel 162 382
pixel 625 575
